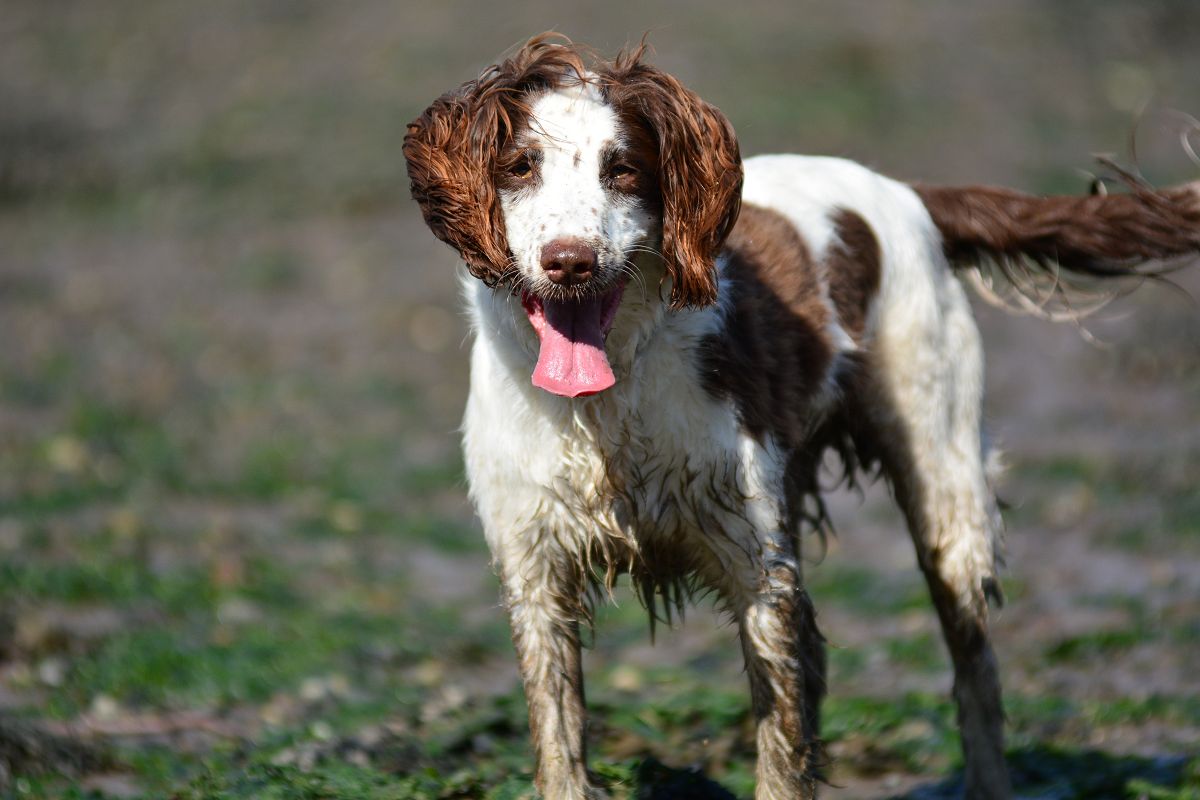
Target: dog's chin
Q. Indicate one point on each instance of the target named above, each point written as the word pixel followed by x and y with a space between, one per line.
pixel 571 334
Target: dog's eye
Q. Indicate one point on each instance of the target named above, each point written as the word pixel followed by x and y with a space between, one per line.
pixel 619 170
pixel 521 169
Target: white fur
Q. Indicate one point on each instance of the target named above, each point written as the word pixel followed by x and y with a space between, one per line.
pixel 571 131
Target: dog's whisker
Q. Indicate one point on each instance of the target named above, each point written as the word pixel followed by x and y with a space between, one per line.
pixel 634 274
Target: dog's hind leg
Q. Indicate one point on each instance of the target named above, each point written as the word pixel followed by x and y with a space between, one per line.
pixel 921 392
pixel 953 534
pixel 544 610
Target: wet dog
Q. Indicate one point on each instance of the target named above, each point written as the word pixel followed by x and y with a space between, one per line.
pixel 667 341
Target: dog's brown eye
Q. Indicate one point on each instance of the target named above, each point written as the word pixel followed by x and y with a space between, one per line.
pixel 521 169
pixel 618 170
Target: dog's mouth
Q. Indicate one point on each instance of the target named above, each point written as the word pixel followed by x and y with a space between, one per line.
pixel 571 359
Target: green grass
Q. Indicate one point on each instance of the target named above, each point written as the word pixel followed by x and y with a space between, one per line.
pixel 353 621
pixel 1096 645
pixel 866 590
pixel 204 664
pixel 1160 489
pixel 920 652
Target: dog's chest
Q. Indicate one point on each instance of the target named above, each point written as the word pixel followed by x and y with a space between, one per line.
pixel 641 468
pixel 647 473
pixel 638 474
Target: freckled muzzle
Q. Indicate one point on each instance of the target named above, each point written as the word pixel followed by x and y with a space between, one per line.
pixel 571 358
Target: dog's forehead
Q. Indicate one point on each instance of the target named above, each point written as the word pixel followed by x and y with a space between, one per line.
pixel 573 119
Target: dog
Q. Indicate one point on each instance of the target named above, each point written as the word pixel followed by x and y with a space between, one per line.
pixel 668 340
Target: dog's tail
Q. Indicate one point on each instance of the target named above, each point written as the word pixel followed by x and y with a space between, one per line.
pixel 1047 244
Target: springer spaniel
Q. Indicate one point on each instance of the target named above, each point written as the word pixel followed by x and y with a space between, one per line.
pixel 667 342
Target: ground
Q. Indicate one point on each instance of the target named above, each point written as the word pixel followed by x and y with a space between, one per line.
pixel 236 557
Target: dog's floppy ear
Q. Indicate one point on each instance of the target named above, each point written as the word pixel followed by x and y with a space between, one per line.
pixel 699 171
pixel 451 150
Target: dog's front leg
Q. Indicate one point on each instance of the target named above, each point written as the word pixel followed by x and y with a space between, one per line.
pixel 784 659
pixel 544 611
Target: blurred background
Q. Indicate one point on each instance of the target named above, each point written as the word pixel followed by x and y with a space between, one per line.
pixel 236 557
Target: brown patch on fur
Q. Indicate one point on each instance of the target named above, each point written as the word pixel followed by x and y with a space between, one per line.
pixel 1100 235
pixel 517 167
pixel 699 170
pixel 853 268
pixel 630 166
pixel 773 352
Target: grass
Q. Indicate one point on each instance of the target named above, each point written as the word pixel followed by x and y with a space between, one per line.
pixel 1113 496
pixel 236 557
pixel 867 590
pixel 330 678
pixel 482 752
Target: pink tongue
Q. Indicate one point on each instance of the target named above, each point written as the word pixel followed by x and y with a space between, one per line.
pixel 572 362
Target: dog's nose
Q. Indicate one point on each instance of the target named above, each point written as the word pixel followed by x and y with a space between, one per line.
pixel 568 261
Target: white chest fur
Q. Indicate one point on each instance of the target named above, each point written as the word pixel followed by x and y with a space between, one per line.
pixel 648 468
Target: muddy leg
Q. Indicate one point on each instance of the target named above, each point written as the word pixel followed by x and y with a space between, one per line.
pixel 976 687
pixel 545 631
pixel 954 525
pixel 920 399
pixel 784 654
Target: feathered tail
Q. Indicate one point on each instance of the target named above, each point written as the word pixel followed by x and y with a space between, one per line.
pixel 1045 245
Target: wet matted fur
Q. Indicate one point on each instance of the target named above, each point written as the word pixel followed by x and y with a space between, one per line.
pixel 703 330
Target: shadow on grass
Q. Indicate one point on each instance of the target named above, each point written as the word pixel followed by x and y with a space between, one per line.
pixel 656 781
pixel 1043 772
pixel 1050 773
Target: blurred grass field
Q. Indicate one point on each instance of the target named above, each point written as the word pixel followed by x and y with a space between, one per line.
pixel 236 556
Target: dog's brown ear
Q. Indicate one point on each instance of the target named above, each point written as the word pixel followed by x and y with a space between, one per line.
pixel 699 166
pixel 452 148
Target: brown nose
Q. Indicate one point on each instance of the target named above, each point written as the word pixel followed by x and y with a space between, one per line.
pixel 568 261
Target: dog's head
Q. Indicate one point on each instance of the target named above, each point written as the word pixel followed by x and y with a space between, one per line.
pixel 558 177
